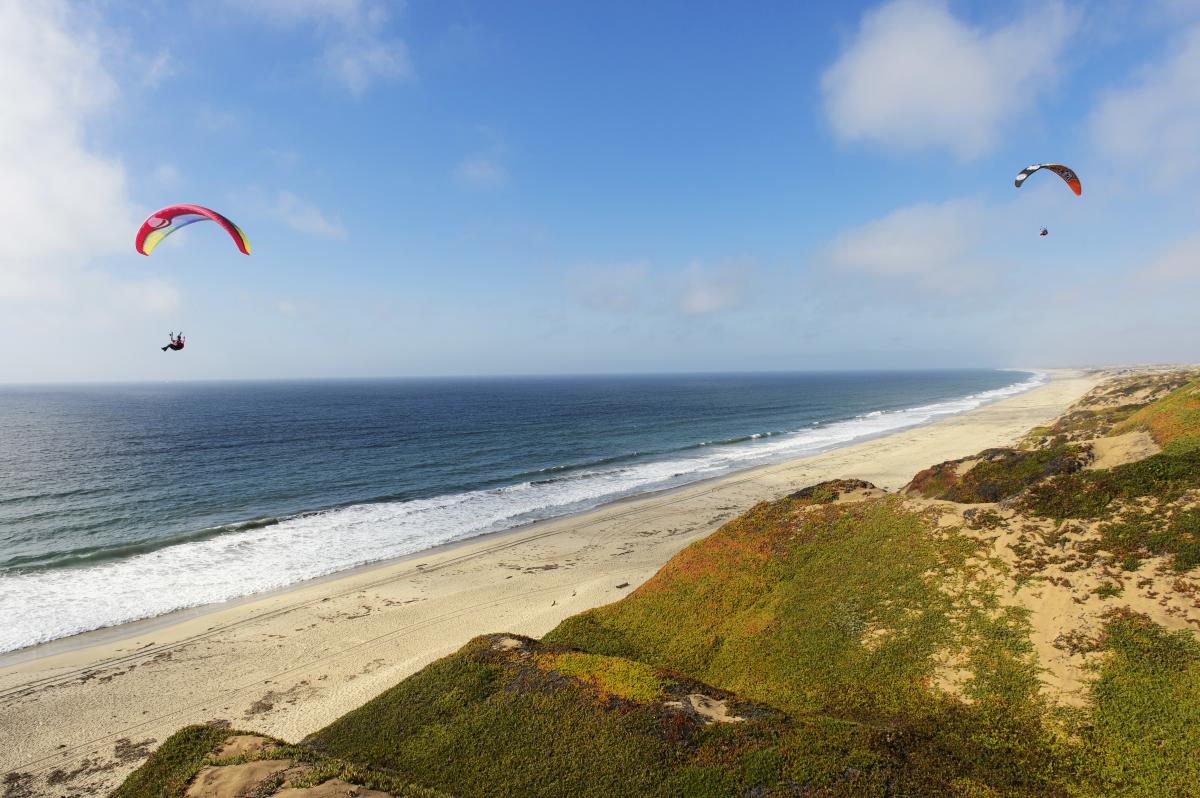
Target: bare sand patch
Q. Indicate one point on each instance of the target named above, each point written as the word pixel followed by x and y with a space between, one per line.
pixel 712 709
pixel 950 674
pixel 507 644
pixel 235 781
pixel 1128 447
pixel 239 744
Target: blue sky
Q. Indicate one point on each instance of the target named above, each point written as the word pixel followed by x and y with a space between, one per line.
pixel 566 187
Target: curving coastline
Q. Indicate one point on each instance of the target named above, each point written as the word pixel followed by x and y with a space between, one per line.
pixel 92 588
pixel 294 660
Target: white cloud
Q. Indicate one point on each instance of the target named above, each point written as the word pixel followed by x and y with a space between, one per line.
pixel 707 290
pixel 480 171
pixel 915 76
pixel 1156 121
pixel 357 50
pixel 930 244
pixel 51 82
pixel 1180 261
pixel 65 203
pixel 306 218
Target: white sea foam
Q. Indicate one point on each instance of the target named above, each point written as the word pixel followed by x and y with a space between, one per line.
pixel 44 605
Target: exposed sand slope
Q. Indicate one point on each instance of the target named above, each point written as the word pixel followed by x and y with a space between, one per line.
pixel 1048 574
pixel 290 663
pixel 1117 450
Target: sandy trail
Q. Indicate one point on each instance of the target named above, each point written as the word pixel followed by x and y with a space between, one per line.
pixel 76 717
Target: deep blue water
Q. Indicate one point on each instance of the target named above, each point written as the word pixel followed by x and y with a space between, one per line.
pixel 124 502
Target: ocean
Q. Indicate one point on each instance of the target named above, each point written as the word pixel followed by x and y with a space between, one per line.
pixel 123 502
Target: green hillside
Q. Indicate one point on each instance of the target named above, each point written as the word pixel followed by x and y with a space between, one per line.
pixel 511 715
pixel 841 642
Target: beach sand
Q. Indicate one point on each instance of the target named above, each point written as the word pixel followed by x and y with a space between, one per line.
pixel 82 713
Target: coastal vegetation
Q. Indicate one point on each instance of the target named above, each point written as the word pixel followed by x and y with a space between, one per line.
pixel 996 474
pixel 246 763
pixel 1143 734
pixel 543 720
pixel 1018 623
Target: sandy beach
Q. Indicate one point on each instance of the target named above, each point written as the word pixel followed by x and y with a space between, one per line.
pixel 85 711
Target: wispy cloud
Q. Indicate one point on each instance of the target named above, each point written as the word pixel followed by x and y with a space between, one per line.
pixel 157 68
pixel 480 171
pixel 697 289
pixel 614 288
pixel 1179 261
pixel 357 49
pixel 307 218
pixel 216 120
pixel 915 76
pixel 934 246
pixel 282 157
pixel 154 296
pixel 1155 121
pixel 293 307
pixel 707 290
pixel 484 168
pixel 166 174
pixel 359 60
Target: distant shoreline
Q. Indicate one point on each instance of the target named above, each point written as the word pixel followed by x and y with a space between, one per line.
pixel 120 631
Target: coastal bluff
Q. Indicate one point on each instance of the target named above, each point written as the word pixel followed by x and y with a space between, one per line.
pixel 1023 621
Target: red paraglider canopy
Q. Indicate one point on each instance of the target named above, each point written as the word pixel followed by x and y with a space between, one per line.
pixel 163 222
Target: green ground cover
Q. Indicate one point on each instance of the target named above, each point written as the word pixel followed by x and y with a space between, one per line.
pixel 839 615
pixel 544 721
pixel 864 647
pixel 1173 421
pixel 999 474
pixel 824 627
pixel 1142 738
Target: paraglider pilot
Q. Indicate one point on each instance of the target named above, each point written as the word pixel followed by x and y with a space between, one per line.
pixel 176 342
pixel 1044 232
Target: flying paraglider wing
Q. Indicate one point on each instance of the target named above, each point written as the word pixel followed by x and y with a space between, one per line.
pixel 166 221
pixel 1065 172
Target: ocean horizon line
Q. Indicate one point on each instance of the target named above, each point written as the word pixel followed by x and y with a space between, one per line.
pixel 534 376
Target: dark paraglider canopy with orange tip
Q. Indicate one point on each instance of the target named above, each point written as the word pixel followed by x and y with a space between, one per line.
pixel 1065 172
